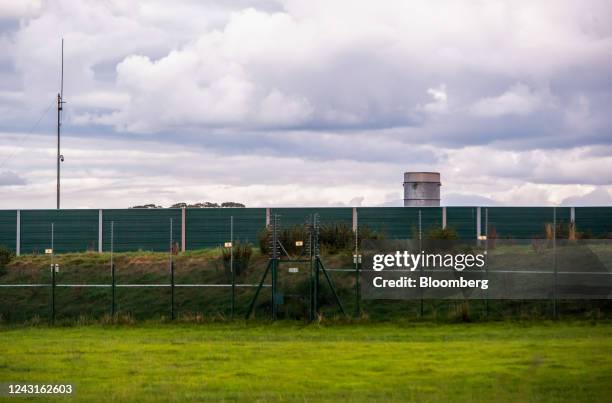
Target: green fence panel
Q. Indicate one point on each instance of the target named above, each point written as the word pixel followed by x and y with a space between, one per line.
pixel 210 227
pixel 595 221
pixel 327 215
pixel 400 222
pixel 141 229
pixel 8 228
pixel 462 220
pixel 522 222
pixel 74 230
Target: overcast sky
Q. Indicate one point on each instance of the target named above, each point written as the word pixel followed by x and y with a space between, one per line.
pixel 290 103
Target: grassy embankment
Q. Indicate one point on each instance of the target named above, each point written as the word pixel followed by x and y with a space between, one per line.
pixel 207 267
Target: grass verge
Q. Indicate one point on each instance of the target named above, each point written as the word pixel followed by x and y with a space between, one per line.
pixel 286 361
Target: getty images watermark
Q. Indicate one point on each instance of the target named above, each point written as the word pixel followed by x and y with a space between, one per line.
pixel 505 269
pixel 404 260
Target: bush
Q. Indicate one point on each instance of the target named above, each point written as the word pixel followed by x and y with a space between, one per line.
pixel 6 255
pixel 333 238
pixel 287 237
pixel 242 256
pixel 441 233
pixel 336 237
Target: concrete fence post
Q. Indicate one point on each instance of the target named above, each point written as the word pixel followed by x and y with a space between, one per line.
pixel 478 222
pixel 573 215
pixel 355 220
pixel 267 217
pixel 443 217
pixel 100 232
pixel 183 229
pixel 18 234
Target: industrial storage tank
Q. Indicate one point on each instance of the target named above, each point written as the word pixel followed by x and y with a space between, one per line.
pixel 422 189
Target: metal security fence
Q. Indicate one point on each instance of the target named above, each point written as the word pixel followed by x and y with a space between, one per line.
pixel 27 231
pixel 207 228
pixel 75 230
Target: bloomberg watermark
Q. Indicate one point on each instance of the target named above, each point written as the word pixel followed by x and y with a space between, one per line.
pixel 516 269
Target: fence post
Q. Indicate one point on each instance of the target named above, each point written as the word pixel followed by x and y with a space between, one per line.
pixel 443 217
pixel 356 261
pixel 267 217
pixel 183 230
pixel 422 309
pixel 100 222
pixel 18 235
pixel 555 263
pixel 233 272
pixel 171 274
pixel 487 258
pixel 52 273
pixel 113 284
pixel 478 222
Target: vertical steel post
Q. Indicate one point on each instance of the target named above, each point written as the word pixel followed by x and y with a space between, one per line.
pixel 52 273
pixel 422 308
pixel 274 290
pixel 356 258
pixel 555 313
pixel 114 283
pixel 171 275
pixel 487 258
pixel 233 272
pixel 311 266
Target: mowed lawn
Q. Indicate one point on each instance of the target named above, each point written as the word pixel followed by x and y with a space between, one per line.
pixel 509 361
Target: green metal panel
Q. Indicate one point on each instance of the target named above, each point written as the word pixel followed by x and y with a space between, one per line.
pixel 462 220
pixel 400 222
pixel 522 222
pixel 8 228
pixel 74 230
pixel 327 215
pixel 141 229
pixel 210 227
pixel 596 220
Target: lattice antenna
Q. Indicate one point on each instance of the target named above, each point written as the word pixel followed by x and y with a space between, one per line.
pixel 316 226
pixel 273 236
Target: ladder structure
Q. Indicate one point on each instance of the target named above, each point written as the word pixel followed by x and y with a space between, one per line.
pixel 310 254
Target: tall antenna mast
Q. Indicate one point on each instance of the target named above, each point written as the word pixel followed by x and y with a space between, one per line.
pixel 60 102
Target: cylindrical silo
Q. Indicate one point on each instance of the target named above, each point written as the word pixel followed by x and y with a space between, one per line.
pixel 421 189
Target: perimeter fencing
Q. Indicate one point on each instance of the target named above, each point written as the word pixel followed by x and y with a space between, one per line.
pixel 202 263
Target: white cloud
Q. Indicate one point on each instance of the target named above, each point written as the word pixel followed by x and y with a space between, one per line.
pixel 509 100
pixel 9 178
pixel 10 9
pixel 597 197
pixel 518 100
pixel 439 104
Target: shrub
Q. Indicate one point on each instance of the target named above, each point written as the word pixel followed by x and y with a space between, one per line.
pixel 441 233
pixel 333 238
pixel 336 237
pixel 242 256
pixel 287 237
pixel 6 255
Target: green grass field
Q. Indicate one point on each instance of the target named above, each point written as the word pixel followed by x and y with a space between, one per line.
pixel 285 361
